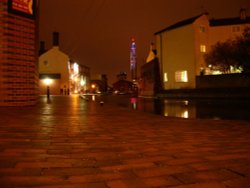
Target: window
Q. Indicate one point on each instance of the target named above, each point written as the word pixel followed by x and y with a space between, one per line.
pixel 181 76
pixel 203 48
pixel 165 77
pixel 46 63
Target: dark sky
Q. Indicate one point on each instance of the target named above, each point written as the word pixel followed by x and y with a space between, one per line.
pixel 97 33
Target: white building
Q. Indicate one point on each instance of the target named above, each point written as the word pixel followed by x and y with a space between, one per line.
pixel 54 65
pixel 181 47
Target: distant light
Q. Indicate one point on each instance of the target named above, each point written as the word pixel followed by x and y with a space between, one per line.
pixel 93 86
pixel 47 81
pixel 185 114
pixel 76 68
pixel 186 103
pixel 82 81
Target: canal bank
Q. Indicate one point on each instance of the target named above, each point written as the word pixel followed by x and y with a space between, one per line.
pixel 207 93
pixel 192 108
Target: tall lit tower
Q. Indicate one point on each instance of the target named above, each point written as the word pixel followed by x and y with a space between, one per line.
pixel 133 67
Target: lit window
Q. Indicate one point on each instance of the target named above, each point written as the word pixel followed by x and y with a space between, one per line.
pixel 181 76
pixel 165 77
pixel 203 48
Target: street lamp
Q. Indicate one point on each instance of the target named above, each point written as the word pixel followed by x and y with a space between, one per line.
pixel 47 82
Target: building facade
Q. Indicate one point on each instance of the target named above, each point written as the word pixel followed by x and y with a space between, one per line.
pixel 79 78
pixel 18 57
pixel 150 82
pixel 55 66
pixel 181 47
pixel 60 74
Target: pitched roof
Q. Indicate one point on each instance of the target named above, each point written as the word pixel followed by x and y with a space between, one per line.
pixel 213 22
pixel 228 21
pixel 179 24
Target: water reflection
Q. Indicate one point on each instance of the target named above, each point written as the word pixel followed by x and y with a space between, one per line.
pixel 178 108
pixel 133 102
pixel 205 109
pixel 209 109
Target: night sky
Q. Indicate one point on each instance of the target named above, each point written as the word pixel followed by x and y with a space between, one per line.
pixel 97 33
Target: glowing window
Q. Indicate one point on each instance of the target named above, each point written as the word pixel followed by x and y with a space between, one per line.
pixel 203 48
pixel 181 76
pixel 165 77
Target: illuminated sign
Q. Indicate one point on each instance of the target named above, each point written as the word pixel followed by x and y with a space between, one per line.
pixel 25 8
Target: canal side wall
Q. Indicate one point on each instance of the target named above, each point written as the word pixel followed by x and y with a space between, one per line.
pixel 223 81
pixel 223 93
pixel 214 86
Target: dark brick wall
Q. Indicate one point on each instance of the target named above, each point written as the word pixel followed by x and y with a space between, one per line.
pixel 18 59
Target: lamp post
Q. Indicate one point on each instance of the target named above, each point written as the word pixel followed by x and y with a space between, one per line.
pixel 48 81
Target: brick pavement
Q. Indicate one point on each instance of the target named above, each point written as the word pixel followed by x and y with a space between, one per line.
pixel 71 142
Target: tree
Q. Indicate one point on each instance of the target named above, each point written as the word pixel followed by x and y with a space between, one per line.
pixel 242 50
pixel 234 53
pixel 221 56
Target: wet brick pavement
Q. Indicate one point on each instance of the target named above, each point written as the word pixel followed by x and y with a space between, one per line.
pixel 69 142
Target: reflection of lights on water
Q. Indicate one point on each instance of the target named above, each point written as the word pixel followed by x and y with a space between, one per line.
pixel 133 101
pixel 134 106
pixel 93 97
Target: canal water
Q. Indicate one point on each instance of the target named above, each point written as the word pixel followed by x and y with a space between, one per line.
pixel 201 109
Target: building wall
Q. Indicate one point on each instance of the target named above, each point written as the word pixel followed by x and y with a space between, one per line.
pixel 54 88
pixel 183 48
pixel 223 33
pixel 55 62
pixel 150 82
pixel 177 54
pixel 201 34
pixel 18 59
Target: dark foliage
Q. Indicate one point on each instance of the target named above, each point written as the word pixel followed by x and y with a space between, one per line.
pixel 234 53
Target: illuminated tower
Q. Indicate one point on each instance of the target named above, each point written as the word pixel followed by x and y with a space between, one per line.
pixel 18 57
pixel 133 67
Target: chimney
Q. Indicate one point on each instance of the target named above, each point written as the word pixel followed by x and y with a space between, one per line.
pixel 243 15
pixel 42 48
pixel 55 39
